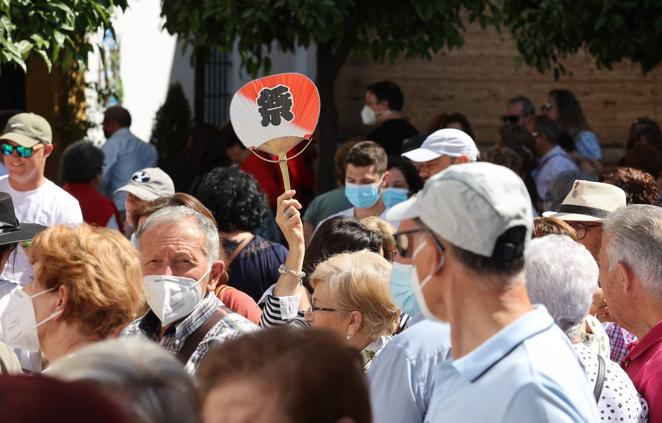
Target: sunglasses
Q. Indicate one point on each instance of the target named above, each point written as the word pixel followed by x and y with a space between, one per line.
pixel 510 118
pixel 25 152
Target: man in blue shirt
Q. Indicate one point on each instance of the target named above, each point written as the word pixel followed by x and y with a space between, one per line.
pixel 124 153
pixel 510 362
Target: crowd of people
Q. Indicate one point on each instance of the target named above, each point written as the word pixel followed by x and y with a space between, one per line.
pixel 436 283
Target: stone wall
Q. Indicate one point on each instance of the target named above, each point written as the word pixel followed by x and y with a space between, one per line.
pixel 478 79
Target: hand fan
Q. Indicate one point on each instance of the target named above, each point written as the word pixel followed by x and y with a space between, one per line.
pixel 275 113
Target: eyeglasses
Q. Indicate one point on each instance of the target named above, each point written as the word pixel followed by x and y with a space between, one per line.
pixel 582 229
pixel 25 152
pixel 548 106
pixel 404 241
pixel 315 309
pixel 510 118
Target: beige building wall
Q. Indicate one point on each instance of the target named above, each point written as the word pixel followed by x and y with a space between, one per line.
pixel 479 78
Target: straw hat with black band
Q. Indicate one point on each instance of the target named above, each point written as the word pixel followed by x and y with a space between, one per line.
pixel 589 202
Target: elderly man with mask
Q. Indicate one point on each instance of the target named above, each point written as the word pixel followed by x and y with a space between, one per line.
pixel 180 260
pixel 441 149
pixel 510 362
pixel 631 277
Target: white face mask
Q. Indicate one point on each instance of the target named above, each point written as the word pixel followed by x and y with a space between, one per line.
pixel 368 116
pixel 18 322
pixel 172 297
pixel 418 288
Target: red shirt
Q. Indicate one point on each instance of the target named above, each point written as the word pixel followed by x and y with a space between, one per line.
pixel 644 366
pixel 267 175
pixel 97 209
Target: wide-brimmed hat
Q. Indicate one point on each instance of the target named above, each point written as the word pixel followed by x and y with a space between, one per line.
pixel 11 230
pixel 590 202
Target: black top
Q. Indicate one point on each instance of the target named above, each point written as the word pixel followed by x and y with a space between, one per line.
pixel 390 135
pixel 256 267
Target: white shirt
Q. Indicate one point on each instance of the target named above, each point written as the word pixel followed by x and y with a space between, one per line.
pixel 47 205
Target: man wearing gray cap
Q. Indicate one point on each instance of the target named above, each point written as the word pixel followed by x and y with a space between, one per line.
pixel 441 149
pixel 510 362
pixel 26 143
pixel 145 185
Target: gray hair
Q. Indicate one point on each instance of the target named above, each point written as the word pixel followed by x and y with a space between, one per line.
pixel 528 109
pixel 635 239
pixel 147 380
pixel 177 215
pixel 562 275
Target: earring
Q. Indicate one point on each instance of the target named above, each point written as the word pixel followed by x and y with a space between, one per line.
pixel 349 337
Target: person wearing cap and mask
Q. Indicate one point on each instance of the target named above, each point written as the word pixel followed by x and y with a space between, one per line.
pixel 441 149
pixel 145 185
pixel 181 264
pixel 26 144
pixel 510 362
pixel 124 153
pixel 383 106
pixel 12 232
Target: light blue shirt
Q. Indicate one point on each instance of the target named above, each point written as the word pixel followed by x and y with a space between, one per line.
pixel 551 165
pixel 125 154
pixel 527 372
pixel 402 377
pixel 587 145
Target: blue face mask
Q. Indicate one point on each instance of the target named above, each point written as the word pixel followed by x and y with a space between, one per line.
pixel 401 289
pixel 393 196
pixel 362 196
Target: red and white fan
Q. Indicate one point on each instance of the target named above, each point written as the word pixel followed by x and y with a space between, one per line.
pixel 275 113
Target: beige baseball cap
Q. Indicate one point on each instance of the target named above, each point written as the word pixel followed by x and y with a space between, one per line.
pixel 28 130
pixel 149 184
pixel 470 205
pixel 590 202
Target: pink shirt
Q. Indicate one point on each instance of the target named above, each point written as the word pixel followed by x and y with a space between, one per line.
pixel 644 366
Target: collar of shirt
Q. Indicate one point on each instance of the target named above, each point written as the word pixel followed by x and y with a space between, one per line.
pixel 653 337
pixel 556 151
pixel 151 325
pixel 373 349
pixel 479 361
pixel 121 133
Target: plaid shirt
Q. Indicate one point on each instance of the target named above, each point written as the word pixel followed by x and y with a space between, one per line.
pixel 231 325
pixel 619 339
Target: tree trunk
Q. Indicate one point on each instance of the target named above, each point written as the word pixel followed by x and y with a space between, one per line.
pixel 328 122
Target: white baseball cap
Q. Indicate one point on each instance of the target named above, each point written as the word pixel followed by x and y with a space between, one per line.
pixel 149 184
pixel 590 202
pixel 470 205
pixel 444 142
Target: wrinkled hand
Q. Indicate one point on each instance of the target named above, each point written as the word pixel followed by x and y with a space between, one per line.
pixel 599 307
pixel 288 219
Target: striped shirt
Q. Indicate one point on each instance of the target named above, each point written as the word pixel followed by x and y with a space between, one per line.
pixel 231 325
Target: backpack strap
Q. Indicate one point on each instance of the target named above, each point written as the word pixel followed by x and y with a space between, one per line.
pixel 600 379
pixel 198 335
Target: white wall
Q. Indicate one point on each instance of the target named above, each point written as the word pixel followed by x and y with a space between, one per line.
pixel 148 56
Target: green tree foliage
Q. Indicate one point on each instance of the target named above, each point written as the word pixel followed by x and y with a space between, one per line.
pixel 547 31
pixel 172 125
pixel 55 29
pixel 383 29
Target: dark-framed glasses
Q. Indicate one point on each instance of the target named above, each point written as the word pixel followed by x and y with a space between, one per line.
pixel 510 118
pixel 315 309
pixel 25 152
pixel 581 229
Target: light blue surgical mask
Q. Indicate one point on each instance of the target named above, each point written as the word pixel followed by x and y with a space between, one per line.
pixel 362 196
pixel 401 288
pixel 393 196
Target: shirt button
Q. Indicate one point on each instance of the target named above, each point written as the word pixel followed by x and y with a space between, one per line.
pixel 177 342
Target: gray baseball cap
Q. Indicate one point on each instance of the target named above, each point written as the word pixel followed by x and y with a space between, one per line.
pixel 28 130
pixel 470 205
pixel 149 184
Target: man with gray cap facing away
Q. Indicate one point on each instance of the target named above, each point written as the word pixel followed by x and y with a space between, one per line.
pixel 145 185
pixel 26 143
pixel 441 149
pixel 510 362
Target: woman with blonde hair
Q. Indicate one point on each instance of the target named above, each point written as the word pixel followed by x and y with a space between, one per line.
pixel 87 286
pixel 350 297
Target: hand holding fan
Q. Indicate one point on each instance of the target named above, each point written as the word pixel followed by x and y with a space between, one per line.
pixel 275 113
